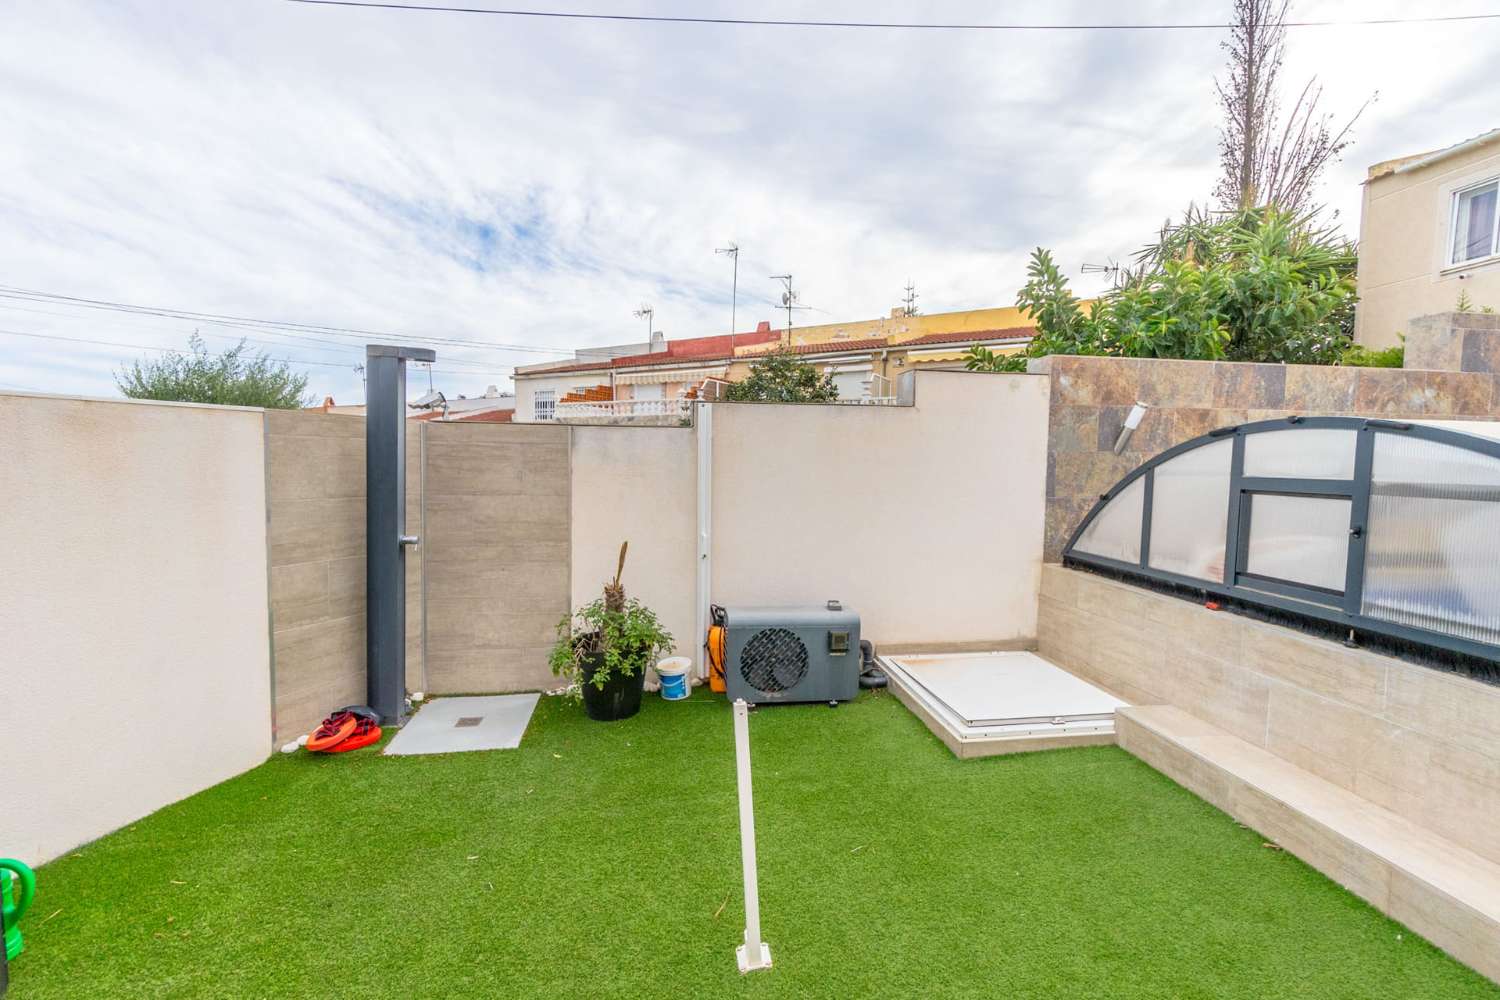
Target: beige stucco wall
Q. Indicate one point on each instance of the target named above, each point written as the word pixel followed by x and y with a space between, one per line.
pixel 1420 742
pixel 638 484
pixel 927 519
pixel 134 663
pixel 1404 238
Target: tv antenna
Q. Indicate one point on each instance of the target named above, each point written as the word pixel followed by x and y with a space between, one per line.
pixel 1112 269
pixel 733 250
pixel 790 298
pixel 646 312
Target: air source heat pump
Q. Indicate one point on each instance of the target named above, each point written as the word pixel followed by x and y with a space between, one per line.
pixel 791 654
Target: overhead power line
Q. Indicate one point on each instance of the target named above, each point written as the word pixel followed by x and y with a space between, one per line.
pixel 301 343
pixel 898 25
pixel 251 322
pixel 173 350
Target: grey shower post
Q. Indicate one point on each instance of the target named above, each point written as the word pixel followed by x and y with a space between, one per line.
pixel 385 525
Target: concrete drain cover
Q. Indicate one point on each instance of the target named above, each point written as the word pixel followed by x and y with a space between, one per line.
pixel 450 725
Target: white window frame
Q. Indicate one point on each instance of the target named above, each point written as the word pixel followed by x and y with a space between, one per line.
pixel 1453 199
pixel 544 404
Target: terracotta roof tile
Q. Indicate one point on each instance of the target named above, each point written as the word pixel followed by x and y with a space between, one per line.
pixel 825 347
pixel 835 346
pixel 488 417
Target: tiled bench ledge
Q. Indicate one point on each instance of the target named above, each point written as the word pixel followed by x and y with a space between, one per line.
pixel 1448 894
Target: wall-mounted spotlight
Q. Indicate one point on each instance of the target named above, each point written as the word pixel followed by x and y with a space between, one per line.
pixel 1132 421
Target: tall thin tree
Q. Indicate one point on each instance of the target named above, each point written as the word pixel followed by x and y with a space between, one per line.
pixel 1268 159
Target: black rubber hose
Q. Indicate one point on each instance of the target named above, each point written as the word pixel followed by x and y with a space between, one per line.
pixel 870 676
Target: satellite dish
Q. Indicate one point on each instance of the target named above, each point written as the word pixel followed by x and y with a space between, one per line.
pixel 786 298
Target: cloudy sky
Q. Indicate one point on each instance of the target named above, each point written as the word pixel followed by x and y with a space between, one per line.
pixel 530 182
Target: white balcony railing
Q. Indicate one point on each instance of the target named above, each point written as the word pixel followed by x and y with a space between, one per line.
pixel 869 401
pixel 626 408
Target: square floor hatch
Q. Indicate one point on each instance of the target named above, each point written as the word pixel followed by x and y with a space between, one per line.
pixel 455 725
pixel 1001 702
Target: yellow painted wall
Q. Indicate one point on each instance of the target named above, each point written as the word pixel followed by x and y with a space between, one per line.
pixel 903 327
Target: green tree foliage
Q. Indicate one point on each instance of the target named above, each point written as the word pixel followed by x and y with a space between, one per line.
pixel 1061 324
pixel 981 359
pixel 1262 285
pixel 782 377
pixel 233 378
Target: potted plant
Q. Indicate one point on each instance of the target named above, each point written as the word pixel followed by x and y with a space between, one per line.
pixel 604 648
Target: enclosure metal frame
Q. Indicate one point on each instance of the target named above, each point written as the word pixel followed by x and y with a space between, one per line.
pixel 1335 608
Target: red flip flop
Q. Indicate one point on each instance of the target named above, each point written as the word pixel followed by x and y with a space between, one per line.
pixel 365 733
pixel 335 729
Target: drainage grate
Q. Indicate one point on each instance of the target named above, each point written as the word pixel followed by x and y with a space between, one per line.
pixel 468 721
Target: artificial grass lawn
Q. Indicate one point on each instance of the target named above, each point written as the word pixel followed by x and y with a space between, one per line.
pixel 603 860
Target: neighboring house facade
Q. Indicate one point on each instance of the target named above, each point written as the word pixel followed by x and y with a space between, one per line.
pixel 1429 233
pixel 662 371
pixel 660 386
pixel 492 407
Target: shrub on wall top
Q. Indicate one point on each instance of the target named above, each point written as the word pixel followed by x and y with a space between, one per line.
pixel 1259 285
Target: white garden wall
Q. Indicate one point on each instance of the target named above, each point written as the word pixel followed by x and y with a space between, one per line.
pixel 134 664
pixel 638 484
pixel 927 519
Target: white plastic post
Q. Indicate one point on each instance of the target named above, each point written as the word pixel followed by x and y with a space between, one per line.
pixel 754 953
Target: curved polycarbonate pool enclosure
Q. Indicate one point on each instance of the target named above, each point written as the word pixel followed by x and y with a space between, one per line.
pixel 1386 527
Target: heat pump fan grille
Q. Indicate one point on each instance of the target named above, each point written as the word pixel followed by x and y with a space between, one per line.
pixel 773 660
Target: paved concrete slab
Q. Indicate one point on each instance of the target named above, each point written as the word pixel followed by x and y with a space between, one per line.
pixel 457 725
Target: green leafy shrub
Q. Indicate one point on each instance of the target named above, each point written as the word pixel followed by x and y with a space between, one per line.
pixel 1260 285
pixel 233 378
pixel 1360 356
pixel 782 377
pixel 627 634
pixel 631 639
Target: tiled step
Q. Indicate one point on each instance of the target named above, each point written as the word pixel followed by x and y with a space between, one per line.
pixel 1446 893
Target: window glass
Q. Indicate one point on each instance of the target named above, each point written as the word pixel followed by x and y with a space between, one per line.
pixel 1115 533
pixel 1190 511
pixel 544 404
pixel 1474 222
pixel 1300 539
pixel 1431 558
pixel 1306 453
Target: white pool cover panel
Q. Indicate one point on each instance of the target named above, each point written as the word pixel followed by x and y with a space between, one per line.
pixel 1005 689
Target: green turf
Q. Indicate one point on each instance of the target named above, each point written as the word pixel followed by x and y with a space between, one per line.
pixel 603 860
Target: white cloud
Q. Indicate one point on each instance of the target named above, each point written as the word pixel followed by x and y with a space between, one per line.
pixel 528 181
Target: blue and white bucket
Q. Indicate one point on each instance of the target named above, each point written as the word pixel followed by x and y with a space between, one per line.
pixel 673 672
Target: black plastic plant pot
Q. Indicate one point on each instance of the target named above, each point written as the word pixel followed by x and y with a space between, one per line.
pixel 619 698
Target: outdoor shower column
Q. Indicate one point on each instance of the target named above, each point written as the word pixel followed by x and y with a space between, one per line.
pixel 385 525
